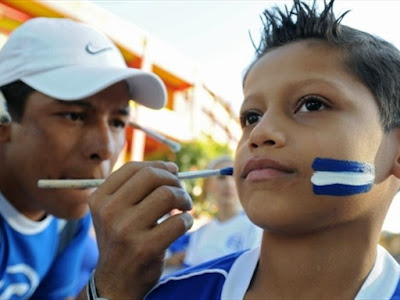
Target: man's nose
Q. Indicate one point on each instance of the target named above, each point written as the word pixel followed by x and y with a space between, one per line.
pixel 99 141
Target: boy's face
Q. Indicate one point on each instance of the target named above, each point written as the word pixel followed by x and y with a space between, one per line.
pixel 302 103
pixel 60 140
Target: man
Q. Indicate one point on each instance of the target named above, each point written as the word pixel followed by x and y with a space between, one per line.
pixel 67 90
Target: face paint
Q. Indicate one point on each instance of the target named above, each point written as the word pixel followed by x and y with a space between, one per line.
pixel 341 177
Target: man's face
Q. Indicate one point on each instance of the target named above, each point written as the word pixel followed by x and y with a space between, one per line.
pixel 301 103
pixel 63 140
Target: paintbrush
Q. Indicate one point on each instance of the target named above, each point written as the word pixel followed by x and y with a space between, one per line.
pixel 90 183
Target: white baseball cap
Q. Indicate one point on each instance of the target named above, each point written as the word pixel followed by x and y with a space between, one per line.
pixel 68 60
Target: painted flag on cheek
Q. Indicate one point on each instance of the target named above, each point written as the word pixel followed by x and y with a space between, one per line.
pixel 341 177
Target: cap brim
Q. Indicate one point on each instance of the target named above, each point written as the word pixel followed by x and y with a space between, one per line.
pixel 78 82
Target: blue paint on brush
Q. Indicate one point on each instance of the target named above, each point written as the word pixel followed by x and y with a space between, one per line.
pixel 227 171
pixel 205 173
pixel 341 177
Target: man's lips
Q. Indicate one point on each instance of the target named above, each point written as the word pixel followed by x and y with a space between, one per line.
pixel 264 168
pixel 79 177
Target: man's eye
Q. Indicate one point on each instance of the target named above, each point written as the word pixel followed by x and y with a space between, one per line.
pixel 74 116
pixel 118 124
pixel 249 118
pixel 311 103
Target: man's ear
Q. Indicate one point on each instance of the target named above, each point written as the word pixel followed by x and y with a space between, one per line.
pixel 5 132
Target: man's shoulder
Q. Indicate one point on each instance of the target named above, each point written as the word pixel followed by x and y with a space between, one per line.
pixel 204 281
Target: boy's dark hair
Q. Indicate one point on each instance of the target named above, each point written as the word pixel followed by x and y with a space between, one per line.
pixel 16 94
pixel 374 61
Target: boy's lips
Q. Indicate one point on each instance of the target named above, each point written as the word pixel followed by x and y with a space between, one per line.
pixel 264 169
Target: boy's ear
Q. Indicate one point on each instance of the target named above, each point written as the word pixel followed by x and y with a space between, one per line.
pixel 396 163
pixel 5 132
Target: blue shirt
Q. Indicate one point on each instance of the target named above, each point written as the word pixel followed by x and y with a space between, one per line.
pixel 229 278
pixel 32 265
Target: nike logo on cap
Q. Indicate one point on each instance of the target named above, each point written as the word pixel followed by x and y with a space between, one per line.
pixel 93 49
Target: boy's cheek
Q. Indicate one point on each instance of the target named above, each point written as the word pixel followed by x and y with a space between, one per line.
pixel 335 177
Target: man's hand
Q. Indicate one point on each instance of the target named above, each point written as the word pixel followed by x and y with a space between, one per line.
pixel 125 209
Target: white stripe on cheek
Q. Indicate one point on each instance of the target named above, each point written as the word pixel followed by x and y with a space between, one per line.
pixel 348 178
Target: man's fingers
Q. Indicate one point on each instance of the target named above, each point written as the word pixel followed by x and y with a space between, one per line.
pixel 146 214
pixel 118 178
pixel 170 229
pixel 145 182
pixel 162 200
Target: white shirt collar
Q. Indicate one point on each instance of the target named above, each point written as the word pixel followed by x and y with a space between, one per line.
pixel 380 283
pixel 18 221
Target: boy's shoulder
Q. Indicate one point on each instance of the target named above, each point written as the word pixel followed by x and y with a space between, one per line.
pixel 205 279
pixel 209 280
pixel 396 295
pixel 383 281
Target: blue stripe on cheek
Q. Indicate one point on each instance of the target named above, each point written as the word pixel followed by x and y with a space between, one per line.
pixel 341 189
pixel 334 165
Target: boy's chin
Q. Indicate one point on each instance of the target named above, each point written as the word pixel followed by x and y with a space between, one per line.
pixel 282 225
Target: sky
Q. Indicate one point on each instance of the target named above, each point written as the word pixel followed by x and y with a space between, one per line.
pixel 215 35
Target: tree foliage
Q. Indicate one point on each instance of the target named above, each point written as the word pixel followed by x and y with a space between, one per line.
pixel 193 156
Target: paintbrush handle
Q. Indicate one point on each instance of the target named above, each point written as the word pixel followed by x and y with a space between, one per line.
pixel 91 183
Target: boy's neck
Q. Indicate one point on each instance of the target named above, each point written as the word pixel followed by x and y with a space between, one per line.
pixel 315 266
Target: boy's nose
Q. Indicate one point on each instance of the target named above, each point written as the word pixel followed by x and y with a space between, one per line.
pixel 267 132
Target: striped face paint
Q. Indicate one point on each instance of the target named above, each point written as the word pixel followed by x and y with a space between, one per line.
pixel 341 177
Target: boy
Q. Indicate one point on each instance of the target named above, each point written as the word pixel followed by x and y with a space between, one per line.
pixel 317 166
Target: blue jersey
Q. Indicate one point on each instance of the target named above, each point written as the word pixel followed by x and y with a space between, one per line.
pixel 229 278
pixel 33 263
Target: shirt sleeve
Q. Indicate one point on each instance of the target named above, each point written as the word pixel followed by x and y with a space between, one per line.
pixel 63 279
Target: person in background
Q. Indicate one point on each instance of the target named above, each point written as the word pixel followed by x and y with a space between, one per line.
pixel 175 254
pixel 67 89
pixel 230 230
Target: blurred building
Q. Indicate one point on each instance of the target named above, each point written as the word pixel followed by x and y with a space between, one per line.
pixel 192 111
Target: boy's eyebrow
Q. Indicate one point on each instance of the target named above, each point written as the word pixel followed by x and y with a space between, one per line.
pixel 308 81
pixel 121 111
pixel 304 82
pixel 335 84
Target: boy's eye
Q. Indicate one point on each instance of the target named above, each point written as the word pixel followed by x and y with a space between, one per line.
pixel 310 103
pixel 249 117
